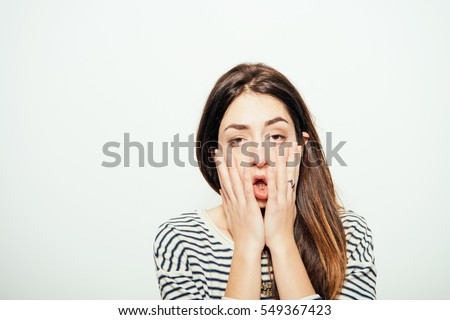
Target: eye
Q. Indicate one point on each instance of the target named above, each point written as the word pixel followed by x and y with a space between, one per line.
pixel 235 142
pixel 278 137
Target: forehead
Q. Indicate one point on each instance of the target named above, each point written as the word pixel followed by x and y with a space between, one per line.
pixel 254 109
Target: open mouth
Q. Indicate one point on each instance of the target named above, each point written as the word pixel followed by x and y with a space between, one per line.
pixel 260 187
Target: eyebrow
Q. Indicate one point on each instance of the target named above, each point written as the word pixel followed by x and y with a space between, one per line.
pixel 244 126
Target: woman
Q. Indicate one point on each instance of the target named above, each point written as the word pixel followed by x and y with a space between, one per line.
pixel 279 232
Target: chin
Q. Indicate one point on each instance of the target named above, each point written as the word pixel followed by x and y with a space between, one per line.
pixel 262 203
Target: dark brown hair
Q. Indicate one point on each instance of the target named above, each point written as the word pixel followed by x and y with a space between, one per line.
pixel 318 229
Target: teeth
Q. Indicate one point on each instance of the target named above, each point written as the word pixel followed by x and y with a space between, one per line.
pixel 261 184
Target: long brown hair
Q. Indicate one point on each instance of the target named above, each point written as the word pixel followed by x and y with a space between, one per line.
pixel 318 229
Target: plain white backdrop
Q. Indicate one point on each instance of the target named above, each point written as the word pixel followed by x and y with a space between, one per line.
pixel 77 74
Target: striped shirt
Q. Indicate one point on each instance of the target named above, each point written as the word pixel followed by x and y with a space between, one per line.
pixel 193 259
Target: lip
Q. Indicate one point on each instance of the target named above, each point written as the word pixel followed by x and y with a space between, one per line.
pixel 257 177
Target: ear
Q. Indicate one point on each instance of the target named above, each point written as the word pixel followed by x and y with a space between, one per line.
pixel 305 136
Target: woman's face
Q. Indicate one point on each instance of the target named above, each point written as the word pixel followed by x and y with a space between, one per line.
pixel 250 120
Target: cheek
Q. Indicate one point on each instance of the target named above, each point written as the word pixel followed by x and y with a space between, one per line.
pixel 240 158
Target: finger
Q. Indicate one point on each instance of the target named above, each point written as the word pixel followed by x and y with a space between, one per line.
pixel 217 162
pixel 236 180
pixel 225 202
pixel 291 171
pixel 282 178
pixel 224 178
pixel 298 161
pixel 248 185
pixel 224 197
pixel 271 184
pixel 223 193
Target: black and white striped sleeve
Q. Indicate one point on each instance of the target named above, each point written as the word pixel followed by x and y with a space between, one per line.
pixel 361 274
pixel 175 279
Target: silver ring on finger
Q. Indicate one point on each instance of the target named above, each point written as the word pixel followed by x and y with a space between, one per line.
pixel 292 183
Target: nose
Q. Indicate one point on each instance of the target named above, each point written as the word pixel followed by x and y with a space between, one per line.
pixel 261 156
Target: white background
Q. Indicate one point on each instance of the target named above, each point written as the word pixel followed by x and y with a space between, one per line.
pixel 77 74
